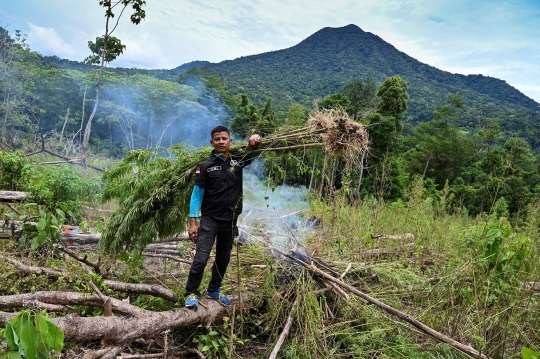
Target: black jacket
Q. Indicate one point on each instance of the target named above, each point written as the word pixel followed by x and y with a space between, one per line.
pixel 222 183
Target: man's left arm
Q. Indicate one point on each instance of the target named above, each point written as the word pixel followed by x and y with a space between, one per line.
pixel 253 141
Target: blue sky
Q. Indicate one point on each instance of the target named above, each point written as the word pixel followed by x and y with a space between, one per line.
pixel 498 38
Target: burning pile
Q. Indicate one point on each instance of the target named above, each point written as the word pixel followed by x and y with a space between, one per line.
pixel 154 191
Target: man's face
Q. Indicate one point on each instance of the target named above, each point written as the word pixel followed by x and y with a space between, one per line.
pixel 221 141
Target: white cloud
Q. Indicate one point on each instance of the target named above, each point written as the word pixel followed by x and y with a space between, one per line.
pixel 46 41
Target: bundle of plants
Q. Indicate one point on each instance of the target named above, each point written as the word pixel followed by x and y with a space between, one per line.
pixel 153 187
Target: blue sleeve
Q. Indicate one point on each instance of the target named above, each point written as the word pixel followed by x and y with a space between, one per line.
pixel 196 201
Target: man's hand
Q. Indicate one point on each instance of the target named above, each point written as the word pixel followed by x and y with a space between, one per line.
pixel 253 141
pixel 193 230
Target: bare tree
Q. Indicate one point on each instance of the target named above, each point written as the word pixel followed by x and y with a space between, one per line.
pixel 106 49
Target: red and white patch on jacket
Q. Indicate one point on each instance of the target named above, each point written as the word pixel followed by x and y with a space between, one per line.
pixel 198 170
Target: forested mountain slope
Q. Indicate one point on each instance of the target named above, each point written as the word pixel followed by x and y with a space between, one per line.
pixel 332 57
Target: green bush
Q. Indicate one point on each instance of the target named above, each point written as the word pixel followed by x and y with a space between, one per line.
pixel 60 187
pixel 11 169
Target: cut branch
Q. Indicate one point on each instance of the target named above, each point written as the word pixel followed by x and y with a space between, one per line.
pixel 68 298
pixel 27 270
pixel 83 259
pixel 424 328
pixel 151 289
pixel 284 333
pixel 180 260
pixel 123 330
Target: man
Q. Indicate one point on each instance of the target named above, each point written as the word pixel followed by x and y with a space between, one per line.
pixel 217 194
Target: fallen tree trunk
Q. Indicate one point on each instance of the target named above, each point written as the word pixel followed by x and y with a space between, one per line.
pixel 65 158
pixel 120 330
pixel 13 196
pixel 15 228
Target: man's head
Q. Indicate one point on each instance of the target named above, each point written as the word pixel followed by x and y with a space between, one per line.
pixel 221 139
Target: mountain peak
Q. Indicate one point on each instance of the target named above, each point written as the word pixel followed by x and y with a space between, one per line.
pixel 327 33
pixel 352 28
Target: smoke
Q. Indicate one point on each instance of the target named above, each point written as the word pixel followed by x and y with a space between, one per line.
pixel 273 214
pixel 145 112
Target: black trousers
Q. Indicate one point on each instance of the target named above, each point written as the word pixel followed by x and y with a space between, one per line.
pixel 210 231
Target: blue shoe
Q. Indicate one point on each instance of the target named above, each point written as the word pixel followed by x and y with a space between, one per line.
pixel 192 301
pixel 219 297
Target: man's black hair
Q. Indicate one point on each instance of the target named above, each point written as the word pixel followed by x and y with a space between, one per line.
pixel 220 129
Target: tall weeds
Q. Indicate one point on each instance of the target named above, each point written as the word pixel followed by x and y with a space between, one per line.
pixel 466 277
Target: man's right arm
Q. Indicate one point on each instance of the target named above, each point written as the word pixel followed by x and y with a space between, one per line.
pixel 194 208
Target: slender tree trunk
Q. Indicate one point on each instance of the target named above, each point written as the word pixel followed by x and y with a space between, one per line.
pixel 427 164
pixel 86 137
pixel 64 127
pixel 6 115
pixel 333 176
pixel 312 172
pixel 149 137
pixel 132 146
pixel 158 143
pixel 322 176
pixel 79 132
pixel 88 129
pixel 110 140
pixel 361 171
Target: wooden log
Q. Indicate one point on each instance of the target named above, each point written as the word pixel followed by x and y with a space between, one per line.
pixel 377 252
pixel 18 301
pixel 144 324
pixel 82 239
pixel 13 196
pixel 60 162
pixel 393 236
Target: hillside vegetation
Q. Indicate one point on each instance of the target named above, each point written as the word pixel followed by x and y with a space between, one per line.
pixel 331 58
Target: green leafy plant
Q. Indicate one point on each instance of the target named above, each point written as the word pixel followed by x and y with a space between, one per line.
pixel 212 344
pixel 33 336
pixel 46 230
pixel 504 253
pixel 527 353
pixel 60 187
